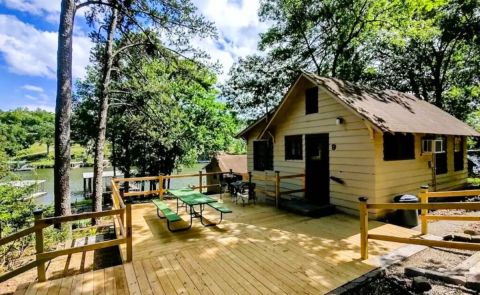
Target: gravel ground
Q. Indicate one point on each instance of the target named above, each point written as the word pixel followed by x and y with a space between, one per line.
pixel 395 282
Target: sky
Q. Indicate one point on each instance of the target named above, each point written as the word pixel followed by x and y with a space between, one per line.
pixel 28 45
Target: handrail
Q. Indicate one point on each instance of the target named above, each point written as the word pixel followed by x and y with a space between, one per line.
pixel 424 206
pixel 424 197
pixel 41 223
pixel 74 217
pixel 19 234
pixel 276 179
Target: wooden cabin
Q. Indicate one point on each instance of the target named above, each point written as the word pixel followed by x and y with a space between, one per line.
pixel 353 141
pixel 222 162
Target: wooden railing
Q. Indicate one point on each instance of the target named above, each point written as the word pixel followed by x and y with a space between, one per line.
pixel 160 181
pixel 119 211
pixel 424 206
pixel 277 179
pixel 424 197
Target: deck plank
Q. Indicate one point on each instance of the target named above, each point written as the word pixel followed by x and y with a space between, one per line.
pixel 256 250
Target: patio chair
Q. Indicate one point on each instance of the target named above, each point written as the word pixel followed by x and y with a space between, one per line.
pixel 247 194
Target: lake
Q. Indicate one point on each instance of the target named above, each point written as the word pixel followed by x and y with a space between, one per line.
pixel 76 181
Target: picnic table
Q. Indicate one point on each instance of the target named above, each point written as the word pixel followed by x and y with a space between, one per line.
pixel 190 199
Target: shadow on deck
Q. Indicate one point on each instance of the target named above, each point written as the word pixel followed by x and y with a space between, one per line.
pixel 256 250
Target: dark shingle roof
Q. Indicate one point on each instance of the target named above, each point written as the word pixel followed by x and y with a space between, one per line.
pixel 394 111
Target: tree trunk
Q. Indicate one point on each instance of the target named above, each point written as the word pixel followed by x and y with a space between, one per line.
pixel 63 109
pixel 102 115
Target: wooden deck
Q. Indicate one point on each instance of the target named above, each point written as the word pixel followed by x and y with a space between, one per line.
pixel 257 250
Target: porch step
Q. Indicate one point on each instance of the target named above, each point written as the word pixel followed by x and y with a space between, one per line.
pixel 304 208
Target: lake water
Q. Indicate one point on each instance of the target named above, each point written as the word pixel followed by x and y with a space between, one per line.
pixel 76 181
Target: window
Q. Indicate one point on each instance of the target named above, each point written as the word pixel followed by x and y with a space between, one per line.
pixel 441 159
pixel 262 155
pixel 458 159
pixel 398 147
pixel 293 147
pixel 311 100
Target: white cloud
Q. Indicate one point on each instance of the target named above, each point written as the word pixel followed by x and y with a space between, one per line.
pixel 29 51
pixel 50 9
pixel 238 27
pixel 32 88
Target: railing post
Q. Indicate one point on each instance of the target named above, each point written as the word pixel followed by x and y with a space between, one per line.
pixel 423 213
pixel 249 179
pixel 128 211
pixel 38 213
pixel 363 227
pixel 277 188
pixel 200 180
pixel 160 187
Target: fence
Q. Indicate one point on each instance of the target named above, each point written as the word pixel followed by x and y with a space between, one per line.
pixel 424 206
pixel 120 212
pixel 161 179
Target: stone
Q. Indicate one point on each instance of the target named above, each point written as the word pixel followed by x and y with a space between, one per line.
pixel 471 232
pixel 421 284
pixel 462 238
pixel 414 271
pixel 476 239
pixel 473 281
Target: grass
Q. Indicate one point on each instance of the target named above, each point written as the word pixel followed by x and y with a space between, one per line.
pixel 36 154
pixel 474 180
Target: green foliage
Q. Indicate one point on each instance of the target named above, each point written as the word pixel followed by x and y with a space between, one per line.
pixel 164 112
pixel 427 47
pixel 21 128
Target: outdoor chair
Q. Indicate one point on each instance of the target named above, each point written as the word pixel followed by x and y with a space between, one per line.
pixel 246 194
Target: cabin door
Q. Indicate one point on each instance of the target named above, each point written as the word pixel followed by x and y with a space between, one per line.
pixel 317 169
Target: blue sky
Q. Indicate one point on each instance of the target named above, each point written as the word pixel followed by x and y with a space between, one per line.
pixel 28 45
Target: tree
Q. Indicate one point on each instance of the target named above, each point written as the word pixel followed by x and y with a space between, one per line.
pixel 21 128
pixel 426 47
pixel 63 109
pixel 434 54
pixel 159 14
pixel 255 85
pixel 165 112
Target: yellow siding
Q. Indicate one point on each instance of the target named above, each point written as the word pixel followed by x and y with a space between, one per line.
pixel 357 160
pixel 352 161
pixel 400 177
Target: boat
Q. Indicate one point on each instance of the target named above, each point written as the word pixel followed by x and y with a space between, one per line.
pixel 25 167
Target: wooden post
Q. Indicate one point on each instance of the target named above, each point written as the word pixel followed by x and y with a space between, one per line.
pixel 249 179
pixel 38 213
pixel 200 180
pixel 160 187
pixel 277 188
pixel 423 213
pixel 363 227
pixel 128 211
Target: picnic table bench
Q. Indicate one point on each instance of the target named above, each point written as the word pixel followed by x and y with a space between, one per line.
pixel 169 215
pixel 190 199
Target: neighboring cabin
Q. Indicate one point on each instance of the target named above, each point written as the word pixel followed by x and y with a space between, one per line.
pixel 353 141
pixel 223 162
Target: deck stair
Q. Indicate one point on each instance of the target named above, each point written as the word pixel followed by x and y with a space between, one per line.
pixel 302 207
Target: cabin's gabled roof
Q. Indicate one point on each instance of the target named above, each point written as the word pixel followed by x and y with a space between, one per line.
pixel 388 110
pixel 227 162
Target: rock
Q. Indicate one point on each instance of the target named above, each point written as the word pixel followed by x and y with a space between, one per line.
pixel 414 271
pixel 421 284
pixel 462 238
pixel 476 239
pixel 448 238
pixel 471 232
pixel 473 281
